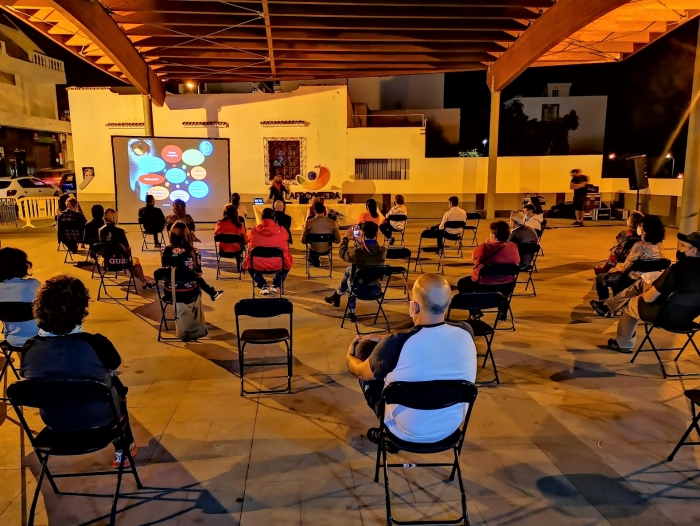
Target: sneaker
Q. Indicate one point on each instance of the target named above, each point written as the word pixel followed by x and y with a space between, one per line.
pixel 133 449
pixel 264 290
pixel 351 316
pixel 575 223
pixel 275 290
pixel 217 294
pixel 157 245
pixel 614 346
pixel 333 300
pixel 391 241
pixel 601 309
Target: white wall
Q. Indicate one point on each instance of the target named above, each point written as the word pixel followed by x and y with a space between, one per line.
pixel 410 91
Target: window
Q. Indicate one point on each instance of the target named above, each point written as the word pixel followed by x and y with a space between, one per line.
pixel 381 169
pixel 285 157
pixel 39 183
pixel 26 183
pixel 8 78
pixel 550 112
pixel 555 93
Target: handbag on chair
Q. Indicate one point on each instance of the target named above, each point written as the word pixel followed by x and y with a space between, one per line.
pixel 189 317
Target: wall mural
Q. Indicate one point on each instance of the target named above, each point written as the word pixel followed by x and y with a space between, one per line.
pixel 316 179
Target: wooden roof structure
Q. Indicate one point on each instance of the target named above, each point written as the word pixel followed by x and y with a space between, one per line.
pixel 147 41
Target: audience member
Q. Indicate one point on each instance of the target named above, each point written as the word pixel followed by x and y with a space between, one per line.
pixel 389 227
pixel 624 241
pixel 180 214
pixel 311 212
pixel 454 213
pixel 112 234
pixel 319 224
pixel 71 225
pixel 683 277
pixel 371 214
pixel 521 233
pixel 152 219
pixel 16 287
pixel 181 253
pixel 282 219
pixel 62 351
pixel 278 191
pixel 431 350
pixel 532 218
pixel 242 209
pixel 367 252
pixel 92 227
pixel 268 234
pixel 652 232
pixel 579 184
pixel 231 223
pixel 496 249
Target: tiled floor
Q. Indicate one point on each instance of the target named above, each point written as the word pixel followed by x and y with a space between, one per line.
pixel 575 435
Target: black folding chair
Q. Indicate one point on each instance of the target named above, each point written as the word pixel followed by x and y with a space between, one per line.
pixel 164 287
pixel 540 233
pixel 669 321
pixel 483 303
pixel 68 255
pixel 267 253
pixel 528 251
pixel 64 396
pixel 236 256
pixel 454 237
pixel 501 272
pixel 393 254
pixel 425 396
pixel 113 258
pixel 12 312
pixel 397 218
pixel 474 229
pixel 694 396
pixel 264 308
pixel 372 276
pixel 319 238
pixel 437 235
pixel 146 236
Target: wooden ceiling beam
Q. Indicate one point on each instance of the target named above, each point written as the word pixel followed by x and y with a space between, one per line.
pixel 315 66
pixel 404 3
pixel 268 36
pixel 226 59
pixel 557 23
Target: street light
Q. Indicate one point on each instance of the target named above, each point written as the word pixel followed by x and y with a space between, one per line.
pixel 612 156
pixel 673 163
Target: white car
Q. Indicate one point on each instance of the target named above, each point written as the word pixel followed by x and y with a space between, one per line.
pixel 20 187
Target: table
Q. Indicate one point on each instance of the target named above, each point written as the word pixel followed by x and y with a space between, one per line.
pixel 298 213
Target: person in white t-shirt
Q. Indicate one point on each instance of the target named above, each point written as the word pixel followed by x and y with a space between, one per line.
pixel 431 350
pixel 454 213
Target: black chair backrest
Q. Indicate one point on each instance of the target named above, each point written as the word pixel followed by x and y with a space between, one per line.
pixel 229 239
pixel 114 255
pixel 650 265
pixel 430 395
pixel 370 275
pixel 431 234
pixel 182 275
pixel 528 249
pixel 55 394
pixel 679 311
pixel 263 307
pixel 319 238
pixel 398 253
pixel 267 252
pixel 16 311
pixel 499 270
pixel 455 224
pixel 477 301
pixel 472 216
pixel 397 217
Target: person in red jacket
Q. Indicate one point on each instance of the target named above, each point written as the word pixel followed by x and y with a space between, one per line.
pixel 268 234
pixel 231 223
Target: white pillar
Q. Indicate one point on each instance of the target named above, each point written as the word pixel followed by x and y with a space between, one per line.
pixel 690 198
pixel 493 155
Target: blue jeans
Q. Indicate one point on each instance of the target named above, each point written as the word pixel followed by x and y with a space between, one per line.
pixel 362 290
pixel 261 282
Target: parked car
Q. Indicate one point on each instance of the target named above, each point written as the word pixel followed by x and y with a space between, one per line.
pixel 66 181
pixel 20 187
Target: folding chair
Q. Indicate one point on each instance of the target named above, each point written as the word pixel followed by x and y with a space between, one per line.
pixel 12 312
pixel 501 271
pixel 65 396
pixel 694 396
pixel 398 218
pixel 540 233
pixel 482 302
pixel 393 254
pixel 264 308
pixel 528 251
pixel 145 235
pixel 457 237
pixel 237 256
pixel 319 238
pixel 669 320
pixel 374 276
pixel 425 396
pixel 113 258
pixel 267 253
pixel 473 216
pixel 162 277
pixel 429 234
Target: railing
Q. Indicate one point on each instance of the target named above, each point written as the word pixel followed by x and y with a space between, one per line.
pixel 8 211
pixel 3 51
pixel 389 120
pixel 47 62
pixel 37 208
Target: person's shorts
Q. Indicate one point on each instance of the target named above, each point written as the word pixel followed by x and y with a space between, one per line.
pixel 579 203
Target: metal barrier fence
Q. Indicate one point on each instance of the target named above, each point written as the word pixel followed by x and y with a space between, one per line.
pixel 8 211
pixel 37 208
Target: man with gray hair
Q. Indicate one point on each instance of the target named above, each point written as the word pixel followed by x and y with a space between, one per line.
pixel 521 233
pixel 431 350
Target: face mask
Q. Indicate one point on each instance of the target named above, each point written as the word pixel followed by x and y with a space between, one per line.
pixel 639 231
pixel 680 255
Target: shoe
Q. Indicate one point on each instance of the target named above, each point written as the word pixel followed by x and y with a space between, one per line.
pixel 275 289
pixel 391 241
pixel 316 264
pixel 217 294
pixel 352 317
pixel 264 290
pixel 333 300
pixel 133 449
pixel 157 245
pixel 601 309
pixel 614 346
pixel 576 223
pixel 580 223
pixel 373 435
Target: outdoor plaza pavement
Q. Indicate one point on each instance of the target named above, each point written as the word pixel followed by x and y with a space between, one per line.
pixel 574 435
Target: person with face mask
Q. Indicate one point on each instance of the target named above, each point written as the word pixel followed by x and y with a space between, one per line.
pixel 431 350
pixel 683 277
pixel 624 241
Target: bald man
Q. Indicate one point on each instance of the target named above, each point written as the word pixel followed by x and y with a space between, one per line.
pixel 431 350
pixel 282 219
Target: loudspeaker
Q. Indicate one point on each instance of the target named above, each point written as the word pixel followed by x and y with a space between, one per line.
pixel 636 171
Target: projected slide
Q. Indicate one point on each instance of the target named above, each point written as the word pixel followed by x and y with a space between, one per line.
pixel 193 170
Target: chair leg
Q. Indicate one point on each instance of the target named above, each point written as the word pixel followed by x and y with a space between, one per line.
pixel 693 425
pixel 241 364
pixel 137 479
pixel 463 495
pixel 389 519
pixel 32 509
pixel 379 459
pixel 289 366
pixel 113 512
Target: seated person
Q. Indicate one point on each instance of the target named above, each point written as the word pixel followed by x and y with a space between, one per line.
pixel 62 351
pixel 652 232
pixel 319 224
pixel 431 350
pixel 521 233
pixel 152 219
pixel 231 223
pixel 92 227
pixel 532 218
pixel 269 234
pixel 454 213
pixel 389 227
pixel 624 241
pixel 496 249
pixel 112 234
pixel 371 214
pixel 71 225
pixel 311 212
pixel 180 253
pixel 180 214
pixel 282 219
pixel 278 191
pixel 682 277
pixel 242 209
pixel 17 286
pixel 367 252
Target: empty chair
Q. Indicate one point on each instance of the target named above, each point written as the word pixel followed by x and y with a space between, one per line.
pixel 528 262
pixel 394 254
pixel 472 228
pixel 264 308
pixel 368 284
pixel 540 233
pixel 319 238
pixel 437 249
pixel 693 396
pixel 110 257
pixel 237 256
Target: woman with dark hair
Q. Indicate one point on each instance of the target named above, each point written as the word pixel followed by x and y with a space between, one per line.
pixel 112 234
pixel 180 214
pixel 62 351
pixel 92 227
pixel 16 287
pixel 496 249
pixel 236 201
pixel 278 191
pixel 180 253
pixel 371 214
pixel 231 223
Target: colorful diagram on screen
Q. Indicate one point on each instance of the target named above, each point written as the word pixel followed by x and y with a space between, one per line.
pixel 316 179
pixel 169 173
